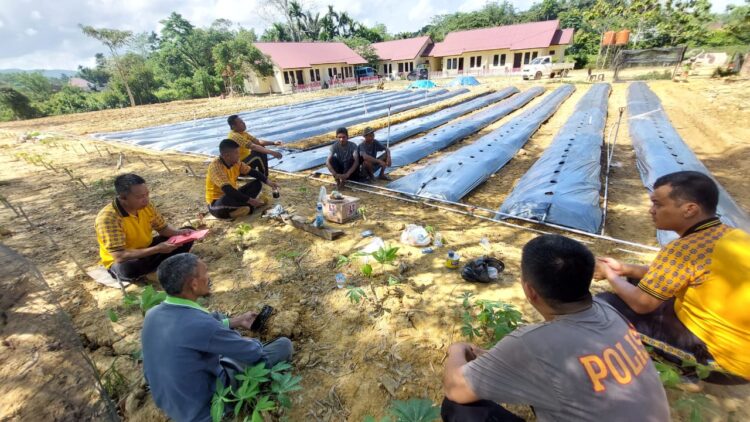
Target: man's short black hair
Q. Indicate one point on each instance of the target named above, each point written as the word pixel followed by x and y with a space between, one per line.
pixel 342 130
pixel 558 268
pixel 124 182
pixel 692 186
pixel 231 119
pixel 175 270
pixel 227 145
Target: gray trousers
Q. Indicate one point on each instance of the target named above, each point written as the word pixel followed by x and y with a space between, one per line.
pixel 279 350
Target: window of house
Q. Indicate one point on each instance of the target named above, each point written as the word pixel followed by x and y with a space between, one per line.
pixel 317 74
pixel 479 61
pixel 299 77
pixel 533 55
pixel 400 67
pixel 502 60
pixel 495 59
pixel 526 57
pixel 330 72
pixel 471 62
pixel 552 52
pixel 286 78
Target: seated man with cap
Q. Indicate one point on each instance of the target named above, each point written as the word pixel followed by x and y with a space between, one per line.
pixel 343 161
pixel 371 161
pixel 223 197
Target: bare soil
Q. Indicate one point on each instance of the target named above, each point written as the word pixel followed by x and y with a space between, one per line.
pixel 353 358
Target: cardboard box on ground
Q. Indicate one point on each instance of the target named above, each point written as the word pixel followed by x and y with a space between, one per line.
pixel 341 210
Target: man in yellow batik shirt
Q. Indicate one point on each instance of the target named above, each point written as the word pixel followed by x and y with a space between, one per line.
pixel 253 151
pixel 124 229
pixel 693 302
pixel 224 198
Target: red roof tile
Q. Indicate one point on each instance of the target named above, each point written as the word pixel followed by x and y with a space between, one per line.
pixel 291 55
pixel 513 37
pixel 562 36
pixel 407 49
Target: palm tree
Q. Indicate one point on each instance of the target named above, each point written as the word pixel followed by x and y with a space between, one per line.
pixel 295 13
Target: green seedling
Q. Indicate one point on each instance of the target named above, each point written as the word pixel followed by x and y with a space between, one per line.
pixel 393 280
pixel 492 320
pixel 288 255
pixel 362 211
pixel 112 315
pixel 258 393
pixel 355 294
pixel 342 260
pixel 668 374
pixel 302 189
pixel 385 255
pixel 146 300
pixel 430 230
pixel 412 410
pixel 366 270
pixel 114 382
pixel 242 229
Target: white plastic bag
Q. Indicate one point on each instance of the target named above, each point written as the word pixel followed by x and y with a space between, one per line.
pixel 415 236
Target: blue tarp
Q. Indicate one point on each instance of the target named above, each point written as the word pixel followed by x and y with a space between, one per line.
pixel 563 186
pixel 464 81
pixel 297 161
pixel 458 173
pixel 213 127
pixel 396 107
pixel 423 84
pixel 443 137
pixel 660 150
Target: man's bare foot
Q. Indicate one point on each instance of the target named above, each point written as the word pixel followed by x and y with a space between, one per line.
pixel 384 176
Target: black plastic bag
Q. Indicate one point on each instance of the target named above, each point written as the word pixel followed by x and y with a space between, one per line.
pixel 476 270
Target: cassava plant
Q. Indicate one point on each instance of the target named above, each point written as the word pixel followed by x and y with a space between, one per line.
pixel 489 319
pixel 147 299
pixel 260 392
pixel 412 410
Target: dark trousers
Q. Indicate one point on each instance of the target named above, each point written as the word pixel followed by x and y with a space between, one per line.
pixel 221 207
pixel 664 325
pixel 342 167
pixel 479 411
pixel 258 161
pixel 136 268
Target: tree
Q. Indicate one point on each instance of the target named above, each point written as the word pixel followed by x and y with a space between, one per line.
pixel 364 48
pixel 99 76
pixel 113 39
pixel 234 59
pixel 34 85
pixel 17 103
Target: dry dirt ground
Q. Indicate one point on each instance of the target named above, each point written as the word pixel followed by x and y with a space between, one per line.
pixel 353 358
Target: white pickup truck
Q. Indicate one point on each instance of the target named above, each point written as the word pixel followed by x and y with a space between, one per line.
pixel 542 66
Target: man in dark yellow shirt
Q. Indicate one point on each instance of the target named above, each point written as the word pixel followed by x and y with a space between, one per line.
pixel 253 151
pixel 224 198
pixel 691 303
pixel 124 229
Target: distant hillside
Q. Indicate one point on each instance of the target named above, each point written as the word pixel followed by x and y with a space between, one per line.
pixel 49 73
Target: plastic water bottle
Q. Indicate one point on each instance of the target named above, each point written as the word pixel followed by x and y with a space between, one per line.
pixel 437 241
pixel 322 194
pixel 340 280
pixel 492 272
pixel 319 219
pixel 485 243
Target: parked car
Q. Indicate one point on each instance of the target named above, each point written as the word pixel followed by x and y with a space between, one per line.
pixel 364 72
pixel 420 72
pixel 542 66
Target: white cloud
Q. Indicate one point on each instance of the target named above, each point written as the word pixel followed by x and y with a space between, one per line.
pixel 30 32
pixel 36 15
pixel 2 24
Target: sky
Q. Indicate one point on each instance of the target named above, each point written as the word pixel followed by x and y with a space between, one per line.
pixel 44 34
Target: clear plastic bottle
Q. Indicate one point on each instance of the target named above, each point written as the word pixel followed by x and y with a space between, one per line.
pixel 437 240
pixel 340 280
pixel 319 218
pixel 492 273
pixel 322 195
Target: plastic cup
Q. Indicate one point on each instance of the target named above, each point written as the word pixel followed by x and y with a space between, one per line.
pixel 340 280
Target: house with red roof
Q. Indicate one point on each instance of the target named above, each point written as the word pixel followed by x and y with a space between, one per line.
pixel 399 57
pixel 305 65
pixel 501 49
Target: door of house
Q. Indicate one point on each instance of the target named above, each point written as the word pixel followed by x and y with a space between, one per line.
pixel 517 58
pixel 460 64
pixel 298 76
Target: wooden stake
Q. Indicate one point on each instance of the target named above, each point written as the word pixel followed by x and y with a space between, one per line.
pixel 84 148
pixel 165 165
pixel 142 160
pixel 23 213
pixel 8 205
pixel 190 169
pixel 119 161
pixel 97 150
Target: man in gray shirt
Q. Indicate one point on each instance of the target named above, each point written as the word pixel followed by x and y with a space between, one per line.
pixel 343 161
pixel 584 363
pixel 186 348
